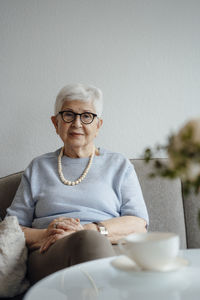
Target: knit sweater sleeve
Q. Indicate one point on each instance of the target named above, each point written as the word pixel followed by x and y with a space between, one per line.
pixel 23 205
pixel 133 203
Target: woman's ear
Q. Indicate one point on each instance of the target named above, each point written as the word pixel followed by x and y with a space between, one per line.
pixel 55 122
pixel 100 123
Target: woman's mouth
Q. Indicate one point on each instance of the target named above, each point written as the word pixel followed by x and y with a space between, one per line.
pixel 76 134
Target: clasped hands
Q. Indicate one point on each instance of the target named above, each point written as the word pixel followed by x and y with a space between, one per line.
pixel 58 229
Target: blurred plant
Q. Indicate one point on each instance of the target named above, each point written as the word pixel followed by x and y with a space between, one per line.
pixel 183 151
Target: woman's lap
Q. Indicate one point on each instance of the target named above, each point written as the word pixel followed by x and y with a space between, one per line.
pixel 76 248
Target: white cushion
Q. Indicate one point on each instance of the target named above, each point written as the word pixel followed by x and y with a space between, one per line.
pixel 13 258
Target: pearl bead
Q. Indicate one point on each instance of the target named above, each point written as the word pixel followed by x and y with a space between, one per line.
pixel 72 183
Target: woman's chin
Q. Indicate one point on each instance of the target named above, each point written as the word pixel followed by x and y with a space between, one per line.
pixel 75 144
pixel 75 140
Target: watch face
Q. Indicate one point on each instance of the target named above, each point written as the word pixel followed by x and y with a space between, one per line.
pixel 103 230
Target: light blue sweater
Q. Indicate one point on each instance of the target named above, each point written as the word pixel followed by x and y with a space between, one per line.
pixel 110 189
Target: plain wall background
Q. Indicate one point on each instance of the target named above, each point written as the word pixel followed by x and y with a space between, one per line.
pixel 143 54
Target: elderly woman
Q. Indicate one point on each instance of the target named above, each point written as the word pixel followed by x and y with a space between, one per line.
pixel 72 204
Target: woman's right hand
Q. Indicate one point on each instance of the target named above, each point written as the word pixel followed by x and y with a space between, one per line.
pixel 58 229
pixel 43 238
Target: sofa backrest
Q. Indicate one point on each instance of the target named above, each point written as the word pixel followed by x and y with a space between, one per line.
pixel 8 188
pixel 192 209
pixel 164 201
pixel 168 210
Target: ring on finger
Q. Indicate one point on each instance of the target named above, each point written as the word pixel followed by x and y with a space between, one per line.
pixel 55 225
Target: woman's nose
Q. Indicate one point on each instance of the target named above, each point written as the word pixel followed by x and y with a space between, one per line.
pixel 77 121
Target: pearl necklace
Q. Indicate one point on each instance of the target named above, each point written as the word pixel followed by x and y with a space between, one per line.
pixel 68 182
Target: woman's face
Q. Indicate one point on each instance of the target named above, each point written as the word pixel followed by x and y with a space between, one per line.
pixel 76 134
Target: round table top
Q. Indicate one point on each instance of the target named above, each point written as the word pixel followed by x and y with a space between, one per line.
pixel 114 278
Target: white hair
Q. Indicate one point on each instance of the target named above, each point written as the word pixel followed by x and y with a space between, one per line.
pixel 80 92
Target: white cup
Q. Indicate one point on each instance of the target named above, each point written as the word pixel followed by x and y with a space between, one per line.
pixel 151 250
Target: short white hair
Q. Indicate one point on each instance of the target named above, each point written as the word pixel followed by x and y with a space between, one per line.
pixel 82 92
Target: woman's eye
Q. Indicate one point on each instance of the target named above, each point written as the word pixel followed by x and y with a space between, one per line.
pixel 68 114
pixel 87 116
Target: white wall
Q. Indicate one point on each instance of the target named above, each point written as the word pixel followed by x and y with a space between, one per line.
pixel 143 54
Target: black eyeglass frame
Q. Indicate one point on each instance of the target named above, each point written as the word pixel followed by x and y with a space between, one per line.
pixel 76 114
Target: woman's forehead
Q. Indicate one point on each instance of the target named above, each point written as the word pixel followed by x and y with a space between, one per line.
pixel 78 105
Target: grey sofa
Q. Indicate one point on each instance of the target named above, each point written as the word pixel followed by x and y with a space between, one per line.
pixel 168 209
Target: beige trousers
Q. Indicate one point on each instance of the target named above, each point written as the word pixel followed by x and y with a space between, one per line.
pixel 76 248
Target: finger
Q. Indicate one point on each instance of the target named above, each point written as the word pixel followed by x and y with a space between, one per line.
pixel 47 244
pixel 55 231
pixel 44 246
pixel 67 223
pixel 71 220
pixel 60 219
pixel 61 223
pixel 67 227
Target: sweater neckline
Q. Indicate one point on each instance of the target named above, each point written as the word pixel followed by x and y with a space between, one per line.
pixel 67 159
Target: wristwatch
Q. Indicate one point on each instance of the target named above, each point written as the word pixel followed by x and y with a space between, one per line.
pixel 101 228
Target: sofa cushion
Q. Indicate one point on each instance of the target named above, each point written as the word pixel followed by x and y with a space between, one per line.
pixel 13 258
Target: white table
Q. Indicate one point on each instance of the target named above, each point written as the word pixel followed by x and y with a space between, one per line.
pixel 100 280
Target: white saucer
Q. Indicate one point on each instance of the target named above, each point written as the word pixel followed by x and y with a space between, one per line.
pixel 124 263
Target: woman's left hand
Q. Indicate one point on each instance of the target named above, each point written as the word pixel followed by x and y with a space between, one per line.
pixel 58 229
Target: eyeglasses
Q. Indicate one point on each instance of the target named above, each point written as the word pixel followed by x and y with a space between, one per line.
pixel 69 116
